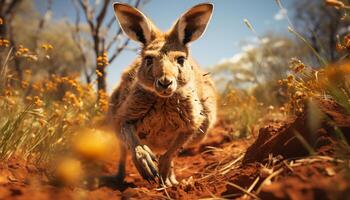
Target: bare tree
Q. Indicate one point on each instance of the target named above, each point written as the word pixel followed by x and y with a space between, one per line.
pixel 7 7
pixel 96 17
pixel 11 31
pixel 7 13
pixel 258 62
pixel 43 19
pixel 76 35
pixel 321 25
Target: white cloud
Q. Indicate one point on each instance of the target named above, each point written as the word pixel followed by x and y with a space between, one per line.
pixel 279 44
pixel 281 14
pixel 264 40
pixel 233 60
pixel 48 16
pixel 248 47
pixel 237 57
pixel 237 61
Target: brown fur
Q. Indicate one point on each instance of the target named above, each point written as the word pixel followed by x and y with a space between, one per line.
pixel 158 119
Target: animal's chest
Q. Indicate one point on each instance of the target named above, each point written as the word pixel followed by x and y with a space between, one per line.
pixel 164 121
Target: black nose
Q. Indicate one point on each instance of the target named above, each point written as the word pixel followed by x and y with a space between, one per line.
pixel 164 83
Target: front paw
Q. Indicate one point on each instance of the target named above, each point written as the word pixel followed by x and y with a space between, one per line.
pixel 144 160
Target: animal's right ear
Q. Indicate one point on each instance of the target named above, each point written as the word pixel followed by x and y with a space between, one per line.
pixel 133 22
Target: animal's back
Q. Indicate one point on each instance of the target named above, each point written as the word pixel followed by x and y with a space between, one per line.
pixel 123 89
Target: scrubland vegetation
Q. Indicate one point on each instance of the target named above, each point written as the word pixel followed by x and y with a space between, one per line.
pixel 282 88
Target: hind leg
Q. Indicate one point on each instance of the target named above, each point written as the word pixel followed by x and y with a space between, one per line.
pixel 117 179
pixel 171 178
pixel 121 165
pixel 166 164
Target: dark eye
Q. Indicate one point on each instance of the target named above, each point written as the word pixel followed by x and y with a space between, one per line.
pixel 149 60
pixel 180 60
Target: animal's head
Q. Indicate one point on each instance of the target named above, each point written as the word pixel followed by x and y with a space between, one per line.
pixel 165 65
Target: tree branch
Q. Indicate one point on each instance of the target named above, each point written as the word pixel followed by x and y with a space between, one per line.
pixel 12 5
pixel 87 13
pixel 114 39
pixel 119 50
pixel 102 14
pixel 77 40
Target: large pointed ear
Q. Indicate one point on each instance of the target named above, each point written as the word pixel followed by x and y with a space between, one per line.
pixel 133 22
pixel 192 24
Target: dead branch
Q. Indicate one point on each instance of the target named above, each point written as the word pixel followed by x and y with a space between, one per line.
pixel 77 40
pixel 95 19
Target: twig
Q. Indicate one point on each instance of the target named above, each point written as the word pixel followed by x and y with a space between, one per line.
pixel 164 187
pixel 269 179
pixel 224 169
pixel 252 186
pixel 243 190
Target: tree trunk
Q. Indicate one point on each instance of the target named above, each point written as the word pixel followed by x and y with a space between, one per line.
pixel 87 78
pixel 13 43
pixel 332 40
pixel 3 28
pixel 101 79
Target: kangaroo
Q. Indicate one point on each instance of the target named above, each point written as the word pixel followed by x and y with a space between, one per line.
pixel 164 101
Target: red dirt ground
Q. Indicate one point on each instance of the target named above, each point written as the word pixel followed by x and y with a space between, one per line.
pixel 276 165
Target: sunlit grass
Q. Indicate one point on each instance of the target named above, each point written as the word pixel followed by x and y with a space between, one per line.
pixel 40 116
pixel 242 110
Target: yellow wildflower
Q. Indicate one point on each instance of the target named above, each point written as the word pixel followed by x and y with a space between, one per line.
pixel 8 93
pixel 347 41
pixel 98 72
pixel 280 82
pixel 10 101
pixel 299 94
pixel 102 101
pixel 42 122
pixel 24 84
pixel 73 83
pixel 29 98
pixel 290 78
pixel 102 60
pixel 47 47
pixel 64 79
pixel 282 109
pixel 71 99
pixel 297 65
pixel 32 57
pixel 36 86
pixel 4 43
pixel 27 73
pixel 38 102
pixel 21 50
pixel 50 86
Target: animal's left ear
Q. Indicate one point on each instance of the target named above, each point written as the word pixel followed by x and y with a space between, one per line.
pixel 192 24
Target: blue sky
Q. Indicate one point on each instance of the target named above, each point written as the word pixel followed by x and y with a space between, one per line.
pixel 223 37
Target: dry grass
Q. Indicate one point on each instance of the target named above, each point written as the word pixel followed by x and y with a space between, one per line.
pixel 43 119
